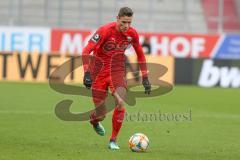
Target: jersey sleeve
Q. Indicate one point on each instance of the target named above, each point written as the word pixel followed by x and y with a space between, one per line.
pixel 140 55
pixel 95 40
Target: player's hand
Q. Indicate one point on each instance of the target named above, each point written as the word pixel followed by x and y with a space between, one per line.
pixel 146 85
pixel 87 80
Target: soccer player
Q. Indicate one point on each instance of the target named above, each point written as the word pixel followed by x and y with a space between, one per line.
pixel 106 70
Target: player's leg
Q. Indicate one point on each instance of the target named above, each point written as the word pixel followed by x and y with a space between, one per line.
pixel 99 94
pixel 97 116
pixel 118 116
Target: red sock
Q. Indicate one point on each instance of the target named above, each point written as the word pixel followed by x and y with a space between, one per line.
pixel 93 119
pixel 117 120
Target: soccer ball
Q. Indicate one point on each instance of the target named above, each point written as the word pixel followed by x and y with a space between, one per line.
pixel 138 142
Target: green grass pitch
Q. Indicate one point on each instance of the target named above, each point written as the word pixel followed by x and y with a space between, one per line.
pixel 29 129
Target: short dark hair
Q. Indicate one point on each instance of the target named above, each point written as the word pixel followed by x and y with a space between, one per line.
pixel 125 11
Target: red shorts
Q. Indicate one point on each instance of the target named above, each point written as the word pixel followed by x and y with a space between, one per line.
pixel 102 82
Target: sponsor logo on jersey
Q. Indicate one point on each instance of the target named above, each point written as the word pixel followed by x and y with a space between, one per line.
pixel 114 46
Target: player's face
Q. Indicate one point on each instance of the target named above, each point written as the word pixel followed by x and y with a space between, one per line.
pixel 123 23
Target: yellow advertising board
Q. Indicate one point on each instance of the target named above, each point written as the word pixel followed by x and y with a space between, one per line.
pixel 37 67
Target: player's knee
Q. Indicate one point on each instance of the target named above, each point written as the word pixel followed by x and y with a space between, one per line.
pixel 120 103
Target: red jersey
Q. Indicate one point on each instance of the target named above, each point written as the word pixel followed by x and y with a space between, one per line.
pixel 108 46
